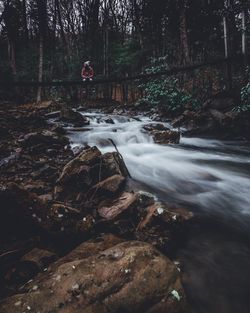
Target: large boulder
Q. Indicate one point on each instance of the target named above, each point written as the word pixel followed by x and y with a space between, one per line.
pixel 162 226
pixel 128 277
pixel 166 137
pixel 79 174
pixel 111 210
pixel 108 187
pixel 112 164
pixel 28 266
pixel 156 126
pixel 91 170
pixel 161 134
pixel 46 139
pixel 70 116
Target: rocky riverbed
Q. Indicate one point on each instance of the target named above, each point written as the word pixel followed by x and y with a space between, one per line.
pixel 76 235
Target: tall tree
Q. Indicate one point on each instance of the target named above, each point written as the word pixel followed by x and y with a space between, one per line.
pixel 43 28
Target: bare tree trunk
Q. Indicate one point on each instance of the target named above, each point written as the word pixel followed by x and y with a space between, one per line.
pixel 106 52
pixel 43 29
pixel 40 68
pixel 244 37
pixel 137 24
pixel 12 57
pixel 225 29
pixel 25 21
pixel 184 42
pixel 65 42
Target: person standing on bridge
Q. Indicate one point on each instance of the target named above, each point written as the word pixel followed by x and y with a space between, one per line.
pixel 87 71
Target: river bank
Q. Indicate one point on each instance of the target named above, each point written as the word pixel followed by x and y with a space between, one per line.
pixel 189 200
pixel 75 233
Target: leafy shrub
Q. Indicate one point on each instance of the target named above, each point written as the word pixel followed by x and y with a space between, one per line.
pixel 166 93
pixel 244 106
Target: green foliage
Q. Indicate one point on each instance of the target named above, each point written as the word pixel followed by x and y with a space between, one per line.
pixel 166 93
pixel 126 57
pixel 245 100
pixel 245 96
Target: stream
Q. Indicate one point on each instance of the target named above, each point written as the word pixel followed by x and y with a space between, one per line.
pixel 209 177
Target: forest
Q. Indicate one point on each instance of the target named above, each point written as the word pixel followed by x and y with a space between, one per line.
pixel 124 156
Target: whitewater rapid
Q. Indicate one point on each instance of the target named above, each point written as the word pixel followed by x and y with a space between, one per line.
pixel 209 177
pixel 209 174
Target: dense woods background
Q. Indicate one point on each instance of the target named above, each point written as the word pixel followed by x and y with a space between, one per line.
pixel 50 39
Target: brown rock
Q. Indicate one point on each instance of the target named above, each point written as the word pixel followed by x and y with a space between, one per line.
pixel 45 138
pixel 160 225
pixel 91 248
pixel 113 164
pixel 78 168
pixel 28 266
pixel 153 127
pixel 60 211
pixel 109 186
pixel 166 137
pixel 73 117
pixel 118 206
pixel 129 277
pixel 39 258
pixel 164 214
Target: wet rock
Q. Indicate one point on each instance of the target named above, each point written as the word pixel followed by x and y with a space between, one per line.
pixel 166 137
pixel 69 223
pixel 160 225
pixel 79 174
pixel 88 169
pixel 86 158
pixel 111 210
pixel 91 248
pixel 109 121
pixel 108 187
pixel 77 150
pixel 152 127
pixel 159 210
pixel 63 212
pixel 129 277
pixel 79 165
pixel 145 199
pixel 162 134
pixel 112 164
pixel 73 117
pixel 29 265
pixel 45 138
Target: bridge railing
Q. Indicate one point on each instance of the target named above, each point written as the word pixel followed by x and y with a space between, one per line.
pixel 214 75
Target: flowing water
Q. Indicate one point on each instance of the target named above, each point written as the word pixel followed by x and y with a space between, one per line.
pixel 211 178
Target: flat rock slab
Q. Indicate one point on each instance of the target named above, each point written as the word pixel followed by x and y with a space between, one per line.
pixel 125 202
pixel 109 186
pixel 128 277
